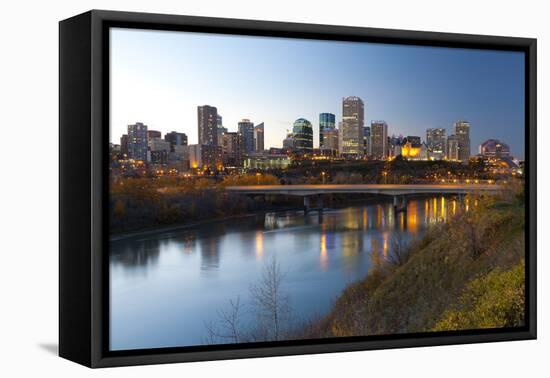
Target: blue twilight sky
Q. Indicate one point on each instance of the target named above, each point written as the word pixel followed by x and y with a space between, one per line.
pixel 159 78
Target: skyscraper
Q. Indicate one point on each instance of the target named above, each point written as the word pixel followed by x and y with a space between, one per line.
pixel 246 131
pixel 379 139
pixel 175 139
pixel 327 121
pixel 137 141
pixel 353 120
pixel 259 137
pixel 436 140
pixel 366 141
pixel 330 141
pixel 303 135
pixel 208 125
pixel 453 148
pixel 124 146
pixel 232 149
pixel 462 132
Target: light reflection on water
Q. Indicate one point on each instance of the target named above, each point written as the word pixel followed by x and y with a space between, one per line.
pixel 166 286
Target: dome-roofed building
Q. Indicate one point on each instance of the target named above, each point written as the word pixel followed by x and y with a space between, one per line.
pixel 494 148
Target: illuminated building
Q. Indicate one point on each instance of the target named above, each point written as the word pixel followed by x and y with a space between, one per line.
pixel 232 149
pixel 462 133
pixel 204 156
pixel 330 141
pixel 494 148
pixel 327 122
pixel 414 151
pixel 302 132
pixel 208 125
pixel 436 141
pixel 246 131
pixel 379 140
pixel 453 148
pixel 353 120
pixel 266 162
pixel 137 141
pixel 259 137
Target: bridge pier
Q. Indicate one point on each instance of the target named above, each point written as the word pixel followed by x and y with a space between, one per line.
pixel 307 203
pixel 399 204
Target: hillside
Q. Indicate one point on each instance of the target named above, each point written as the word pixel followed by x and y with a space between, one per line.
pixel 466 274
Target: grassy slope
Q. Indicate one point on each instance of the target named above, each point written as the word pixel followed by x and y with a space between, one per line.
pixel 453 279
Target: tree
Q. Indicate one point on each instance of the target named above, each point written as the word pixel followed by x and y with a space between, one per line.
pixel 227 329
pixel 271 304
pixel 399 252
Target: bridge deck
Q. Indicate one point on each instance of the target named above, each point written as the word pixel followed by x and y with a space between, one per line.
pixel 389 189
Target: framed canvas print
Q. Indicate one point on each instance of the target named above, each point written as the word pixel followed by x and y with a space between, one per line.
pixel 234 188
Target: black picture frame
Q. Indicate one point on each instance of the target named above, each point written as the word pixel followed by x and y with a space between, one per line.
pixel 83 148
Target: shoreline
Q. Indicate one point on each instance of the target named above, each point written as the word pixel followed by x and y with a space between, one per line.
pixel 183 226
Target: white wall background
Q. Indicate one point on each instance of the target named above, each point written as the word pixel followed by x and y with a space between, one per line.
pixel 29 186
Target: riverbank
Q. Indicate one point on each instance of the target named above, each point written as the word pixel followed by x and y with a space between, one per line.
pixel 341 204
pixel 466 274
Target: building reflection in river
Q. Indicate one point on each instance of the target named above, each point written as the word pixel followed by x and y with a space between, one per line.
pixel 175 281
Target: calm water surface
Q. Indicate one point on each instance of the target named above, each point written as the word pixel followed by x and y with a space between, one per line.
pixel 164 287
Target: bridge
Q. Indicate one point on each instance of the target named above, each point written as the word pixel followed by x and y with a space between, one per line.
pixel 397 191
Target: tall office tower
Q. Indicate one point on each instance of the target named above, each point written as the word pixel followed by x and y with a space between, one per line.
pixel 246 131
pixel 353 120
pixel 219 121
pixel 327 122
pixel 366 141
pixel 124 146
pixel 175 139
pixel 303 136
pixel 154 134
pixel 259 137
pixel 436 140
pixel 453 148
pixel 462 132
pixel 208 125
pixel 232 149
pixel 379 139
pixel 137 141
pixel 330 141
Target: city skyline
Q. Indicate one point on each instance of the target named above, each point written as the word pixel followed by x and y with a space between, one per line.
pixel 491 99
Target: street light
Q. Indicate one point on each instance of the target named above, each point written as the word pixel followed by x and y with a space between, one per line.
pixel 323 175
pixel 258 177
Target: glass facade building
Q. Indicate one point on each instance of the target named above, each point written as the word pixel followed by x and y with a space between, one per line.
pixel 303 135
pixel 246 131
pixel 327 122
pixel 138 141
pixel 353 121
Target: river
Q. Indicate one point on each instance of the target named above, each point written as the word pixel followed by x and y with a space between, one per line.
pixel 164 287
